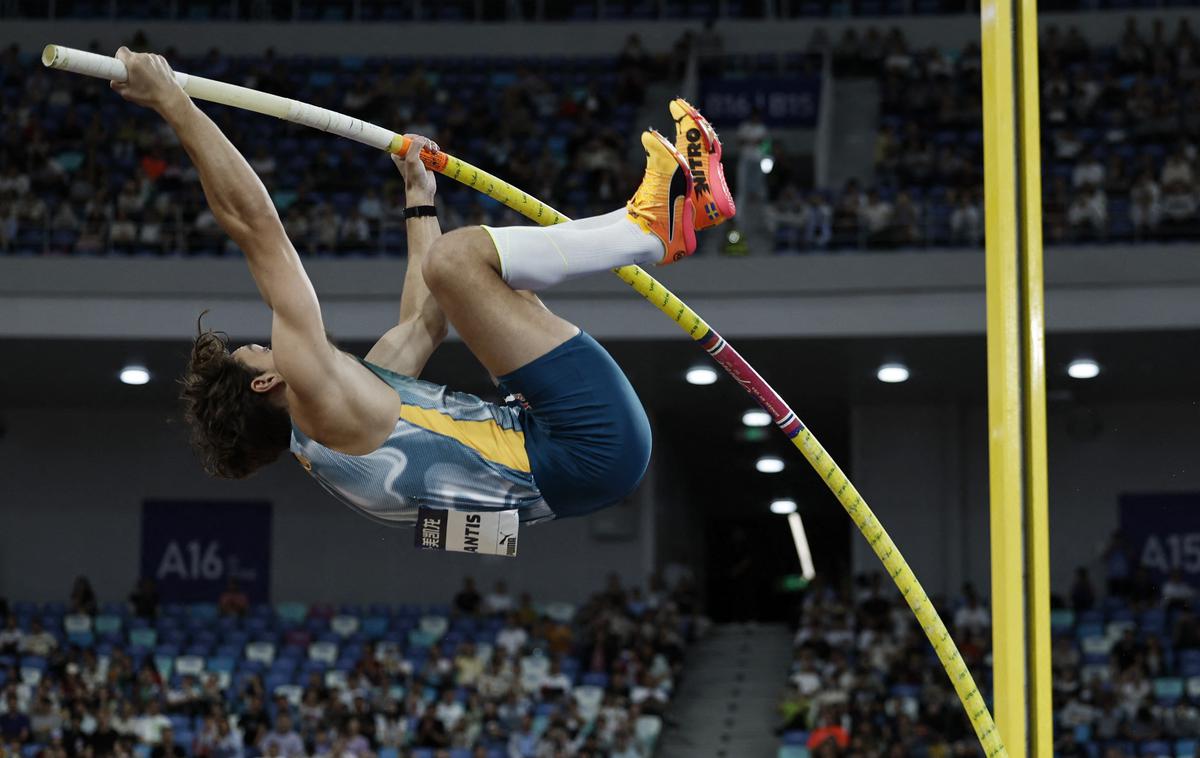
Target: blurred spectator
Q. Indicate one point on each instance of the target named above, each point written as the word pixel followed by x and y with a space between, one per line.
pixel 144 599
pixel 430 731
pixel 498 601
pixel 847 213
pixel 906 221
pixel 752 135
pixel 151 234
pixel 1088 172
pixel 1177 170
pixel 355 232
pixel 1145 206
pixel 512 636
pixel 10 636
pixel 1177 592
pixel 1088 214
pixel 788 218
pixel 83 598
pixel 233 601
pixel 468 600
pixel 1083 597
pixel 324 225
pixel 966 222
pixel 166 747
pixel 123 231
pixel 283 738
pixel 1116 566
pixel 1178 209
pixel 876 219
pixel 818 229
pixel 44 719
pixel 38 641
pixel 14 725
pixel 972 617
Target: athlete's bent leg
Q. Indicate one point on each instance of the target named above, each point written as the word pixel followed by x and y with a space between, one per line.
pixel 505 329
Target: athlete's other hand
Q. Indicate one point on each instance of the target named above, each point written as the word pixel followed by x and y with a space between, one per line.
pixel 150 83
pixel 420 185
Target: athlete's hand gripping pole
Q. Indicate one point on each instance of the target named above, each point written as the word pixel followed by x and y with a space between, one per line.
pixel 103 67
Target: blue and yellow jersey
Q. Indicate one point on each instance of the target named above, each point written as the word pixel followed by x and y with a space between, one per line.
pixel 448 450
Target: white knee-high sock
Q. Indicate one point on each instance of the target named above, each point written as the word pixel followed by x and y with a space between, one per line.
pixel 536 257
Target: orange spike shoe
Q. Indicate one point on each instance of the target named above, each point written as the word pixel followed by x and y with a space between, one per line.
pixel 663 204
pixel 697 141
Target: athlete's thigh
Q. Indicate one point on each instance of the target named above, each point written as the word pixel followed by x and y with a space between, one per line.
pixel 505 329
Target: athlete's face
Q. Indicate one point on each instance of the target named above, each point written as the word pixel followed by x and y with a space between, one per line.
pixel 261 361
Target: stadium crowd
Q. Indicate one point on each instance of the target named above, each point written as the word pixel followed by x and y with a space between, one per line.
pixel 1126 670
pixel 491 675
pixel 83 172
pixel 1119 151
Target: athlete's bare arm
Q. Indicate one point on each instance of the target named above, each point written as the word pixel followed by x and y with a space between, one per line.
pixel 330 395
pixel 406 347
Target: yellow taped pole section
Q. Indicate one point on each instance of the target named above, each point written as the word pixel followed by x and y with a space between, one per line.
pixel 1005 420
pixel 1033 328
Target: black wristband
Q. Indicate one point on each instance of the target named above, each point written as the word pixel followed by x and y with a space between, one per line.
pixel 419 211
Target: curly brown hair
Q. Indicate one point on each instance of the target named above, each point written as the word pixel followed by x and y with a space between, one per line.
pixel 235 430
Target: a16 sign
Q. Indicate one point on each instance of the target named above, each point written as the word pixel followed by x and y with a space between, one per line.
pixel 192 548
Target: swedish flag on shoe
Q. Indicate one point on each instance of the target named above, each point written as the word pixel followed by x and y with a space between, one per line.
pixel 663 204
pixel 697 141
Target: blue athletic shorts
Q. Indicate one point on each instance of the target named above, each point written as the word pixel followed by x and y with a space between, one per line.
pixel 586 432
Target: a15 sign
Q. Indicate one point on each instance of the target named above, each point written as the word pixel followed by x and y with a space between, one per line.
pixel 1161 533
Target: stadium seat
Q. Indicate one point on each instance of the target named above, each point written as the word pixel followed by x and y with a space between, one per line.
pixel 375 627
pixel 1062 620
pixel 219 664
pixel 1157 750
pixel 596 679
pixel 192 665
pixel 77 623
pixel 292 613
pixel 795 737
pixel 323 652
pixel 108 623
pixel 1168 691
pixel 263 652
pixel 293 692
pixel 560 612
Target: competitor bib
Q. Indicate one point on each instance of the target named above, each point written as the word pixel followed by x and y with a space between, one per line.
pixel 486 533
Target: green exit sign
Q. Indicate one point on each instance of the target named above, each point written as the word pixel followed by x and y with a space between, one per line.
pixel 793 583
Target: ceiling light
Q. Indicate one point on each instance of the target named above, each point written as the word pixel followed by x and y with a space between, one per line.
pixel 1083 368
pixel 135 375
pixel 783 506
pixel 701 375
pixel 892 373
pixel 756 417
pixel 769 464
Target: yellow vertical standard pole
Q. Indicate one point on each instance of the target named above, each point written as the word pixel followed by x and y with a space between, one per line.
pixel 1005 421
pixel 1033 328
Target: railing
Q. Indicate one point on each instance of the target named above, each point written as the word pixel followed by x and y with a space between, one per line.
pixel 493 11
